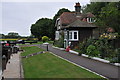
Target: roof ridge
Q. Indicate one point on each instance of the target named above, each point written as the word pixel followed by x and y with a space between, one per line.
pixel 83 22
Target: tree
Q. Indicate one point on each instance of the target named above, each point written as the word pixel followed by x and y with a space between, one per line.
pixel 12 35
pixel 94 7
pixel 109 16
pixel 43 27
pixel 59 13
pixel 2 36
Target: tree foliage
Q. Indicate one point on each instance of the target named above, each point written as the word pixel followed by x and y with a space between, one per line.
pixel 45 38
pixel 59 13
pixel 109 17
pixel 107 14
pixel 94 7
pixel 43 27
pixel 2 36
pixel 12 35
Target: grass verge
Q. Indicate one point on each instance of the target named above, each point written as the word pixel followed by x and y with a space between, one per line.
pixel 30 50
pixel 47 65
pixel 39 42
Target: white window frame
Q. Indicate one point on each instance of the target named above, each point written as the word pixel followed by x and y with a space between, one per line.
pixel 73 36
pixel 57 35
pixel 65 35
pixel 70 35
pixel 58 24
pixel 89 20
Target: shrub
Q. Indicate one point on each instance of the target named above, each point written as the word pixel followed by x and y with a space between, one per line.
pixel 106 50
pixel 109 35
pixel 82 48
pixel 92 51
pixel 83 45
pixel 101 48
pixel 116 59
pixel 118 54
pixel 45 38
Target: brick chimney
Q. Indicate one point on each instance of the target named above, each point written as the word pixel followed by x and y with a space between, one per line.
pixel 77 8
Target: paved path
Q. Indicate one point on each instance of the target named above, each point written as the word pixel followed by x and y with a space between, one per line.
pixel 13 68
pixel 107 70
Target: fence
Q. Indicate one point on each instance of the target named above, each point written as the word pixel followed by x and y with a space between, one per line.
pixel 115 43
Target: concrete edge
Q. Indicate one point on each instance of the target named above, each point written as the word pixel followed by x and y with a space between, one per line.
pixel 94 58
pixel 78 65
pixel 21 67
pixel 58 48
pixel 0 74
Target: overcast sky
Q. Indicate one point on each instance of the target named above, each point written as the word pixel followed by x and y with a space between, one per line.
pixel 18 16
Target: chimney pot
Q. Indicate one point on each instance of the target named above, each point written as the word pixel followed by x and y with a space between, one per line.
pixel 77 4
pixel 77 8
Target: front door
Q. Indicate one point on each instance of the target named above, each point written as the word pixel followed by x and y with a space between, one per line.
pixel 66 39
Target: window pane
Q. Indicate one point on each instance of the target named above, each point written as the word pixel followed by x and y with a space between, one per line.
pixel 57 35
pixel 75 35
pixel 89 19
pixel 65 35
pixel 70 35
pixel 92 19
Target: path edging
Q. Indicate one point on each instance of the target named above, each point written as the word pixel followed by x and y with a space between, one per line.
pixel 78 65
pixel 0 74
pixel 94 58
pixel 21 67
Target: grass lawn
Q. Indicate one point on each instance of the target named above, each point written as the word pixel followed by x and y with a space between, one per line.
pixel 30 50
pixel 39 42
pixel 46 65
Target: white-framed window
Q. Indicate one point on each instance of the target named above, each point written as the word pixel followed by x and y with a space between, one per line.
pixel 70 35
pixel 65 35
pixel 90 20
pixel 58 27
pixel 57 35
pixel 58 23
pixel 73 35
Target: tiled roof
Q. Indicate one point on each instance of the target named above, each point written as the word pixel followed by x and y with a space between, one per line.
pixel 69 17
pixel 79 23
pixel 90 14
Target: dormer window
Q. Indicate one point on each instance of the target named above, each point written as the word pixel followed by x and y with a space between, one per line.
pixel 90 20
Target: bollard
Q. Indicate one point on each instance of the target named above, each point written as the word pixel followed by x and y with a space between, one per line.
pixel 46 46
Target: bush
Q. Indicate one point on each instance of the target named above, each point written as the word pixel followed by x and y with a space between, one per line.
pixel 99 48
pixel 116 59
pixel 106 50
pixel 118 54
pixel 83 46
pixel 92 51
pixel 45 38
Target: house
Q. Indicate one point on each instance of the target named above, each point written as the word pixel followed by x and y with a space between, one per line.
pixel 75 26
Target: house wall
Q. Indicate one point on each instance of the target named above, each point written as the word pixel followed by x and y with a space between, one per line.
pixel 84 33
